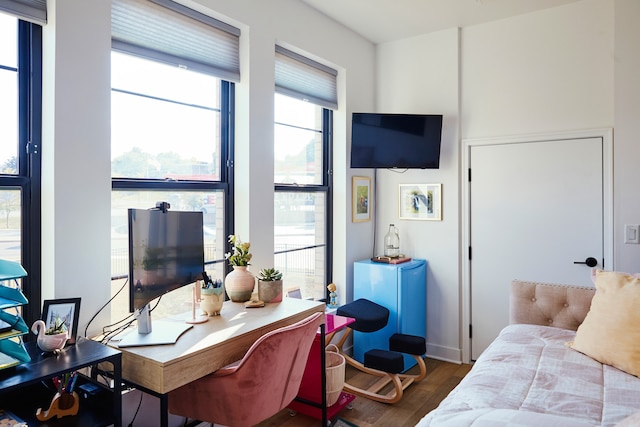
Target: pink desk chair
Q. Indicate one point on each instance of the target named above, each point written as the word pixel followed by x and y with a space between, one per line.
pixel 264 382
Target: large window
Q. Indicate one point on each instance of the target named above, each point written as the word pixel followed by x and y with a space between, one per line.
pixel 302 143
pixel 20 120
pixel 170 142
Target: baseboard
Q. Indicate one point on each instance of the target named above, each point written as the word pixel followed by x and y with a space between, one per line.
pixel 446 354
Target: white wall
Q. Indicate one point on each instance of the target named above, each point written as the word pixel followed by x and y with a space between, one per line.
pixel 420 75
pixel 627 132
pixel 542 72
pixel 76 134
pixel 76 186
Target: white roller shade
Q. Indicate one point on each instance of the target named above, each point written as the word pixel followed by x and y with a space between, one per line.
pixel 28 10
pixel 304 78
pixel 165 31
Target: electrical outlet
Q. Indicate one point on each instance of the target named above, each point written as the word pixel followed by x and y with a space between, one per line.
pixel 632 234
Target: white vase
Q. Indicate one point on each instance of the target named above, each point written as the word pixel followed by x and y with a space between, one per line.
pixel 48 343
pixel 239 284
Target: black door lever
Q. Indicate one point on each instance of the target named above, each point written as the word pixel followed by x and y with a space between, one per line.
pixel 591 262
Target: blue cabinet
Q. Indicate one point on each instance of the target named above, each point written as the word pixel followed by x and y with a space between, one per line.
pixel 401 288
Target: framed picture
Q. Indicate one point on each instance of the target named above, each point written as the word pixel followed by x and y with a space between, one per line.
pixel 62 313
pixel 361 193
pixel 421 201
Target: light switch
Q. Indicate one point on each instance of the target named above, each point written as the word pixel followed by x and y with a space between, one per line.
pixel 632 233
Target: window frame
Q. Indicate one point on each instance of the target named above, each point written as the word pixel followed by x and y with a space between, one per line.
pixel 226 183
pixel 325 187
pixel 29 175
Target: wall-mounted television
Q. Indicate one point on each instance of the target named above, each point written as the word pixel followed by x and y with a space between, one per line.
pixel 166 251
pixel 382 140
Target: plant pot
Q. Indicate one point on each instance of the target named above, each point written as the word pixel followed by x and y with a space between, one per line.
pixel 239 284
pixel 212 300
pixel 270 291
pixel 48 343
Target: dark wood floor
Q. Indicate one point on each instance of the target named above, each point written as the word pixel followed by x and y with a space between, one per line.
pixel 418 399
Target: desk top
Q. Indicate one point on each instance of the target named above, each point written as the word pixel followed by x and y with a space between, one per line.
pixel 46 365
pixel 209 346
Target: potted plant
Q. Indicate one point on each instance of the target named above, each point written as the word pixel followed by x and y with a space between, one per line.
pixel 270 285
pixel 239 283
pixel 50 339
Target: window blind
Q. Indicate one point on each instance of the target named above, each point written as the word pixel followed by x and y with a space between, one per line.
pixel 28 10
pixel 165 31
pixel 303 78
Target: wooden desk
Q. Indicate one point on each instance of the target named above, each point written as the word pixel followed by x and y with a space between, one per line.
pixel 207 347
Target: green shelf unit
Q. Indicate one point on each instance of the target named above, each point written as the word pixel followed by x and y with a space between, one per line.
pixel 12 351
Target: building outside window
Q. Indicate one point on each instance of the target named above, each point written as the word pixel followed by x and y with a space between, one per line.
pixel 302 141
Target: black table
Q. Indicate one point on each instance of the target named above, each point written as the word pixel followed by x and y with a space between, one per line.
pixel 27 387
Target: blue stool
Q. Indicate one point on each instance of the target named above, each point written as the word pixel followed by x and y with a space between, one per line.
pixel 386 364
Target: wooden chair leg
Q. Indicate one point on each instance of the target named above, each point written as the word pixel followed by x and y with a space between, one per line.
pixel 400 381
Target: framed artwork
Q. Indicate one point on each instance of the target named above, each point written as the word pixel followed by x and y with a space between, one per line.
pixel 421 201
pixel 62 314
pixel 361 193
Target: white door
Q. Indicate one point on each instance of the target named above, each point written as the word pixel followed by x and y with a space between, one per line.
pixel 536 208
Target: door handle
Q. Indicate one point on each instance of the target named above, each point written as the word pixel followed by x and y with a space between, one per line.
pixel 591 262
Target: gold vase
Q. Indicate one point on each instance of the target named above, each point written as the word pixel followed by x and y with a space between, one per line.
pixel 239 284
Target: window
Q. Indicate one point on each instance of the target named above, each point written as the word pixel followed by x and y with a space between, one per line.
pixel 170 142
pixel 20 120
pixel 171 119
pixel 305 92
pixel 302 143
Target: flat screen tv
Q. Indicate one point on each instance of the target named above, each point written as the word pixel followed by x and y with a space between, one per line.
pixel 166 251
pixel 407 141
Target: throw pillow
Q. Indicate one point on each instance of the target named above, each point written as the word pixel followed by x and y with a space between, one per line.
pixel 610 332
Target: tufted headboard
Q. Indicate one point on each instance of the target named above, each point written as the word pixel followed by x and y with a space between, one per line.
pixel 562 306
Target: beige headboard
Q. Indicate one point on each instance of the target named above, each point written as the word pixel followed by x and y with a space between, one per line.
pixel 562 306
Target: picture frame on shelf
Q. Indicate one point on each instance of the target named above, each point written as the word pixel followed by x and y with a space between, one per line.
pixel 66 311
pixel 361 194
pixel 420 202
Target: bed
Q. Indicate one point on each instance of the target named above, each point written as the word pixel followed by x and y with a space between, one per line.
pixel 536 373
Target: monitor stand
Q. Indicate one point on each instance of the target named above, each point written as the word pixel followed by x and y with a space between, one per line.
pixel 165 331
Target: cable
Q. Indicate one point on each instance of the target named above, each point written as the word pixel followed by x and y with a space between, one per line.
pixel 136 414
pixel 102 308
pixel 104 328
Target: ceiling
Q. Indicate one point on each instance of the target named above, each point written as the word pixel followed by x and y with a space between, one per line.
pixel 386 20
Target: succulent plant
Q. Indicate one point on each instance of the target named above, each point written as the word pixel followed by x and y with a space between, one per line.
pixel 269 275
pixel 58 327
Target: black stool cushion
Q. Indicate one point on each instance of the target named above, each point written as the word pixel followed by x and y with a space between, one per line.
pixel 370 317
pixel 410 344
pixel 383 360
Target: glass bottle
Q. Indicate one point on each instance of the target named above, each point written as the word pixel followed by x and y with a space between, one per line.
pixel 392 242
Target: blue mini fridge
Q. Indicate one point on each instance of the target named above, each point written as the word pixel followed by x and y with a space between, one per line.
pixel 401 288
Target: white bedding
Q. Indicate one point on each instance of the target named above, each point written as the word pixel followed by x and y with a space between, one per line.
pixel 528 377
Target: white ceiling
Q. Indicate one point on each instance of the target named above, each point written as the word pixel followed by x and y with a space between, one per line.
pixel 386 20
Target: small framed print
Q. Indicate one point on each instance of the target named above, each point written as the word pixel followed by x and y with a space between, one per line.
pixel 361 192
pixel 62 313
pixel 421 201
